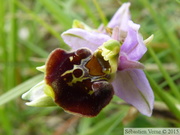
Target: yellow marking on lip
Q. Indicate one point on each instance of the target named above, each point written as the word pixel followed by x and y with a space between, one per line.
pixel 90 92
pixel 71 58
pixel 75 80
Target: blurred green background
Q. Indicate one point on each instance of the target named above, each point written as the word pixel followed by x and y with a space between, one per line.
pixel 30 30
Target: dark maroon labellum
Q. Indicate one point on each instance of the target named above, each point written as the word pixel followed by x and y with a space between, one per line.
pixel 79 81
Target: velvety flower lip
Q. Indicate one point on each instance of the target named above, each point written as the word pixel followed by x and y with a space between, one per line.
pixel 72 82
pixel 78 87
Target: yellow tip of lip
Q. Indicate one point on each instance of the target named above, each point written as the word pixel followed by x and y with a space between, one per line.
pixel 49 91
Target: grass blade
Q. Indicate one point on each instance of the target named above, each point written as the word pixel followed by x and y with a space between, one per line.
pixel 110 122
pixel 172 85
pixel 3 56
pixel 101 14
pixel 43 23
pixel 165 97
pixel 169 36
pixel 36 49
pixel 64 19
pixel 19 90
pixel 12 47
pixel 5 122
pixel 89 12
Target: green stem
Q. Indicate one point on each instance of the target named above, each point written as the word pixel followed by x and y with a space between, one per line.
pixel 166 98
pixel 5 121
pixel 172 85
pixel 57 12
pixel 12 47
pixel 175 77
pixel 101 13
pixel 89 12
pixel 3 57
pixel 168 34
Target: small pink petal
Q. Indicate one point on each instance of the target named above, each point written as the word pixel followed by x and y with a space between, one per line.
pixel 133 87
pixel 125 63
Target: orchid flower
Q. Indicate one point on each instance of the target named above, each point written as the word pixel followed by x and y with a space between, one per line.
pixel 104 62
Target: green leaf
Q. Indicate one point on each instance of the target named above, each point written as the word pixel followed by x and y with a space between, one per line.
pixel 19 90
